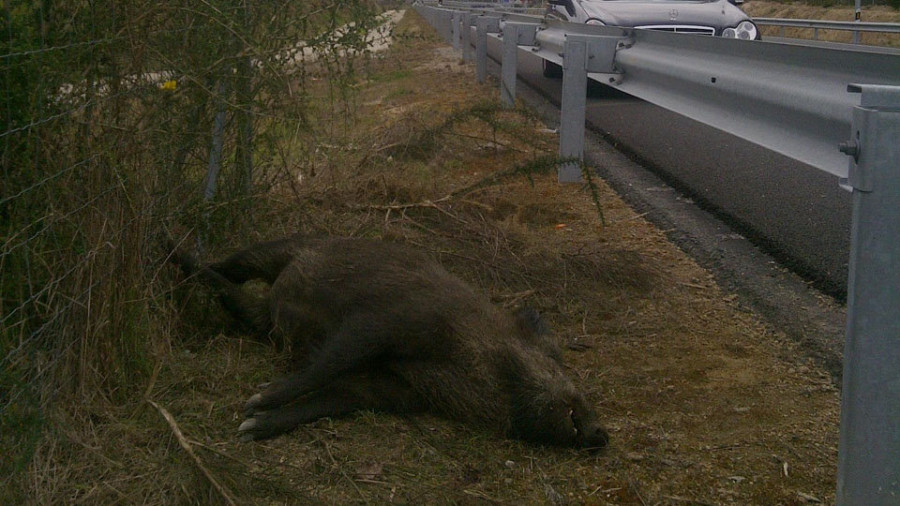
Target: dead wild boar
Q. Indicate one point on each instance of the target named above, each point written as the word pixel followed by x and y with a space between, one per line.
pixel 381 326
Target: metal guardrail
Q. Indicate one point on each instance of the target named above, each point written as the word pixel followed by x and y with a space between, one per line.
pixel 862 26
pixel 791 99
pixel 855 27
pixel 835 109
pixel 816 25
pixel 496 6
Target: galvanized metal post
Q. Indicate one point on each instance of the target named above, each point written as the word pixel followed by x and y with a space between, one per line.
pixel 481 25
pixel 218 142
pixel 442 22
pixel 508 68
pixel 869 458
pixel 454 21
pixel 572 110
pixel 468 18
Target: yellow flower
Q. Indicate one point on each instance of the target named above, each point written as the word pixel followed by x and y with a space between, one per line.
pixel 169 85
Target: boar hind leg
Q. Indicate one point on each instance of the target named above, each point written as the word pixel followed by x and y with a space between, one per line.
pixel 263 261
pixel 248 309
pixel 373 391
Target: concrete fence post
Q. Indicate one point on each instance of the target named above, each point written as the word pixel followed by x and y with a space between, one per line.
pixel 869 455
pixel 572 110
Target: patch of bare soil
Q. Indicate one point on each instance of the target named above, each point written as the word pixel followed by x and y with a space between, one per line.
pixel 798 10
pixel 705 404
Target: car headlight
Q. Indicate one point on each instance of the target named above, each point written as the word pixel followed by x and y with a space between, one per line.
pixel 594 21
pixel 746 30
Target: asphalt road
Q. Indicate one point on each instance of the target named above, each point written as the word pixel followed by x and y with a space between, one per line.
pixel 794 212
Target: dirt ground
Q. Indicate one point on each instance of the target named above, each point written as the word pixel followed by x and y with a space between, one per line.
pixel 704 402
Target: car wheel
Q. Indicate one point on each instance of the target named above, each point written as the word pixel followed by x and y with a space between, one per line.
pixel 551 69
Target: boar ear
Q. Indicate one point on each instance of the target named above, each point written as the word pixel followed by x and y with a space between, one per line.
pixel 530 322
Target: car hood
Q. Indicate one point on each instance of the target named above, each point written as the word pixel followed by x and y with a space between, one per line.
pixel 631 13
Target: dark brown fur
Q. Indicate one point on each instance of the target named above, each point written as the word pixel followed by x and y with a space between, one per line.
pixel 382 326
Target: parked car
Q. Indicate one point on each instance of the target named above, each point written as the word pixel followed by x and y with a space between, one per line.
pixel 721 18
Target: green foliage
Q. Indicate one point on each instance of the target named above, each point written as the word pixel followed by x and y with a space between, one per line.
pixel 592 187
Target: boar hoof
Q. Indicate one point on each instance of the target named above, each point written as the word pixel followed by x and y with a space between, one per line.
pixel 259 426
pixel 246 429
pixel 253 402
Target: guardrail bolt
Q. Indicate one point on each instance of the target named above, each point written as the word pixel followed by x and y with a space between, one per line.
pixel 850 148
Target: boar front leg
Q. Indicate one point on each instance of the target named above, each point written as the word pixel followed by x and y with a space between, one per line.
pixel 350 348
pixel 378 391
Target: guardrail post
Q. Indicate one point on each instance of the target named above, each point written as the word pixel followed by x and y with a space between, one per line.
pixel 455 20
pixel 483 24
pixel 514 35
pixel 869 458
pixel 572 109
pixel 480 48
pixel 442 23
pixel 508 68
pixel 468 18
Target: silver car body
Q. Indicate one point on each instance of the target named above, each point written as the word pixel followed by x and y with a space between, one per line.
pixel 701 17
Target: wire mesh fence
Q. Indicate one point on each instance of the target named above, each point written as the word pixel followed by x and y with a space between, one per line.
pixel 122 121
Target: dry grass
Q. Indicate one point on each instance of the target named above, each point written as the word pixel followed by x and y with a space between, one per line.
pixel 797 10
pixel 705 404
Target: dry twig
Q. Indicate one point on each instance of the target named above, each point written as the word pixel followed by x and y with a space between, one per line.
pixel 220 488
pixel 340 469
pixel 677 498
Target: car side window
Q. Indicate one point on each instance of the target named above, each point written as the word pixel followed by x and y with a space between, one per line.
pixel 567 4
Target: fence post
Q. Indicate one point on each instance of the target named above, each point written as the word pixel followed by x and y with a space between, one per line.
pixel 217 143
pixel 572 110
pixel 508 67
pixel 869 457
pixel 244 113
